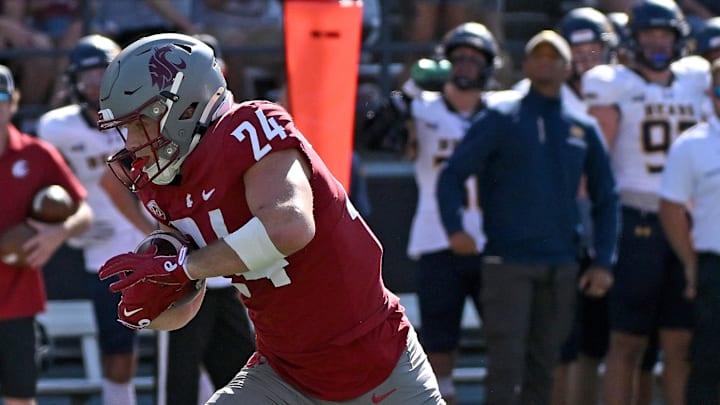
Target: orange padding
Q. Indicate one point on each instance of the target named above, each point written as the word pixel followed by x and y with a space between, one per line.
pixel 322 49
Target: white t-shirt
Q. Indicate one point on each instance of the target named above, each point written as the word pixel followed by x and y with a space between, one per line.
pixel 692 175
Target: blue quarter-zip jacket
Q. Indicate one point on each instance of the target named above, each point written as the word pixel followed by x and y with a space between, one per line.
pixel 529 154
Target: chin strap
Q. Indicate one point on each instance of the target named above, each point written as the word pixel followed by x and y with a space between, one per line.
pixel 168 174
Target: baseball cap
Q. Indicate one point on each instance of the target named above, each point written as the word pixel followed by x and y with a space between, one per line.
pixel 551 38
pixel 7 85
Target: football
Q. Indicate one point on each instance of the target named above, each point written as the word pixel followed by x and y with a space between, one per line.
pixel 52 204
pixel 169 244
pixel 11 242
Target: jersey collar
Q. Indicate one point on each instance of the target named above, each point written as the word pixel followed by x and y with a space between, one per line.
pixel 14 139
pixel 478 107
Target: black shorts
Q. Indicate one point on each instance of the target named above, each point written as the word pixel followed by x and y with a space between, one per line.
pixel 590 333
pixel 652 353
pixel 18 368
pixel 590 330
pixel 444 280
pixel 649 279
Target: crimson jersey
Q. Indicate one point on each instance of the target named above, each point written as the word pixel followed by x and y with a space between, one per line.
pixel 27 165
pixel 324 321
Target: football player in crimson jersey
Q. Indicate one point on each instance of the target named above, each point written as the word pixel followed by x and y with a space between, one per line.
pixel 246 186
pixel 642 108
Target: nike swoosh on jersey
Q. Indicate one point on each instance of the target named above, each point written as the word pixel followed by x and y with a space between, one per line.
pixel 376 399
pixel 131 313
pixel 206 195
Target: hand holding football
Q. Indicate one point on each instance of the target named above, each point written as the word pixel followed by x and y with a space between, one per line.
pixel 11 244
pixel 169 244
pixel 148 287
pixel 51 204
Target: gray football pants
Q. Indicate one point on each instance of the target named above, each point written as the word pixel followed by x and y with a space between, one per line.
pixel 411 382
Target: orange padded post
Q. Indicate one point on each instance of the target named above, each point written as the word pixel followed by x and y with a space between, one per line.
pixel 322 49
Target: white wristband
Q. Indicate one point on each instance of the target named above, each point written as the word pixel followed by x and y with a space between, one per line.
pixel 253 246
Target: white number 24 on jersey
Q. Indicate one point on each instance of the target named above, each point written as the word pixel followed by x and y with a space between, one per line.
pixel 268 126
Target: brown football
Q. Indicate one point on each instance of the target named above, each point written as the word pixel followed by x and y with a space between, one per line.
pixel 167 243
pixel 11 242
pixel 52 204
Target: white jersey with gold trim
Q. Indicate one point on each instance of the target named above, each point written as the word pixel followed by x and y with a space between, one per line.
pixel 652 116
pixel 86 149
pixel 438 130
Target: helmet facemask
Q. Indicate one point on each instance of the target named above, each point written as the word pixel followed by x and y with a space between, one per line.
pixel 149 161
pixel 465 82
pixel 657 57
pixel 475 36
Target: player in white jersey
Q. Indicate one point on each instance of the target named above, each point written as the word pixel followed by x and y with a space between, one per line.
pixel 437 128
pixel 651 116
pixel 642 108
pixel 448 272
pixel 117 228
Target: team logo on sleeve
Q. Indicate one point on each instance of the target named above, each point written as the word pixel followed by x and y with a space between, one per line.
pixel 20 168
pixel 154 209
pixel 577 137
pixel 577 131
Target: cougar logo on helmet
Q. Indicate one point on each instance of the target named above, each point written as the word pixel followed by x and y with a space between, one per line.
pixel 162 71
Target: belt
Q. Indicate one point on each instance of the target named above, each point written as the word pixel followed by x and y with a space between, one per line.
pixel 640 200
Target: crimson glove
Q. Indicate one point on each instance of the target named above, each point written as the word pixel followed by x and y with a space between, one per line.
pixel 148 267
pixel 145 300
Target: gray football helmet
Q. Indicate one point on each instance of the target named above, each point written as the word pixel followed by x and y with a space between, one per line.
pixel 175 80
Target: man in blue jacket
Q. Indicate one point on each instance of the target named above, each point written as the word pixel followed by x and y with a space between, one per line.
pixel 530 153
